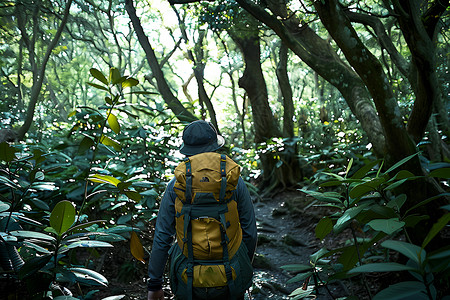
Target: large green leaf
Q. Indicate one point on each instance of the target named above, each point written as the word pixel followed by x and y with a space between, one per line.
pixel 401 162
pixel 33 265
pixel 97 86
pixel 411 251
pixel 62 216
pixel 110 142
pixel 366 187
pixel 98 75
pixel 441 223
pixel 380 267
pixel 4 206
pixel 85 144
pixel 426 201
pixel 325 197
pixel 388 226
pixel 404 290
pixel 323 228
pixel 440 173
pixel 129 82
pixel 296 268
pixel 114 123
pixel 7 152
pixel 114 76
pixel 348 215
pixel 86 244
pixel 365 169
pixel 104 179
pixel 89 277
pixel 32 235
pixel 118 297
pixel 299 277
pixel 136 248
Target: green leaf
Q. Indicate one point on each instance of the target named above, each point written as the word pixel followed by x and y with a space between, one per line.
pixel 323 196
pixel 411 251
pixel 118 297
pixel 98 75
pixel 36 247
pixel 133 195
pixel 366 187
pixel 65 298
pixel 440 173
pixel 33 265
pixel 299 277
pixel 40 204
pixel 89 277
pixel 86 144
pixel 104 179
pixel 32 235
pixel 110 142
pixel 324 227
pixel 62 216
pixel 78 228
pixel 114 76
pixel 89 244
pixel 300 293
pixel 403 290
pixel 397 202
pixel 129 82
pixel 8 182
pixel 318 255
pixel 365 169
pixel 441 223
pixel 7 152
pixel 401 162
pixel 136 248
pixel 97 86
pixel 395 184
pixel 331 183
pixel 296 268
pixel 426 201
pixel 348 215
pixel 380 267
pixel 388 226
pixel 4 206
pixel 445 254
pixel 114 123
pixel 350 163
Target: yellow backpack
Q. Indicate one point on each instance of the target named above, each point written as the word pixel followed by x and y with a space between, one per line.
pixel 207 220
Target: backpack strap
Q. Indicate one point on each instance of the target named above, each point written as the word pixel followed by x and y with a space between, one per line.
pixel 223 183
pixel 226 259
pixel 188 192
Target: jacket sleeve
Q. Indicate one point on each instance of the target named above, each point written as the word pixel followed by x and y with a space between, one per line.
pixel 163 238
pixel 246 217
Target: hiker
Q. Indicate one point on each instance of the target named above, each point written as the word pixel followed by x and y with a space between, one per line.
pixel 208 208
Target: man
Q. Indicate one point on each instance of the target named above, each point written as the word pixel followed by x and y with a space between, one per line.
pixel 198 137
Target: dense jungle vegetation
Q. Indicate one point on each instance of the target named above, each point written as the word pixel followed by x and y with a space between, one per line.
pixel 342 103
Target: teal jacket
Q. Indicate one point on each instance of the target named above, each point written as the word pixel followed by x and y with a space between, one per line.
pixel 165 230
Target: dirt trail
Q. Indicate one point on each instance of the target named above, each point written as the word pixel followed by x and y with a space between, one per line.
pixel 285 236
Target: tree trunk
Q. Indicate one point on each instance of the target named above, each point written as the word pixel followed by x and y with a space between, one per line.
pixel 321 57
pixel 38 75
pixel 172 102
pixel 398 141
pixel 419 36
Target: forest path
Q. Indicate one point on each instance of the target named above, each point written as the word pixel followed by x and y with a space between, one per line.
pixel 286 236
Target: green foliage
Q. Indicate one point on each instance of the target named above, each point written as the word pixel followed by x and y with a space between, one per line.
pixel 364 204
pixel 52 193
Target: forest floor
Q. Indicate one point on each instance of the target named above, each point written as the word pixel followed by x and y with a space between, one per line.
pixel 286 224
